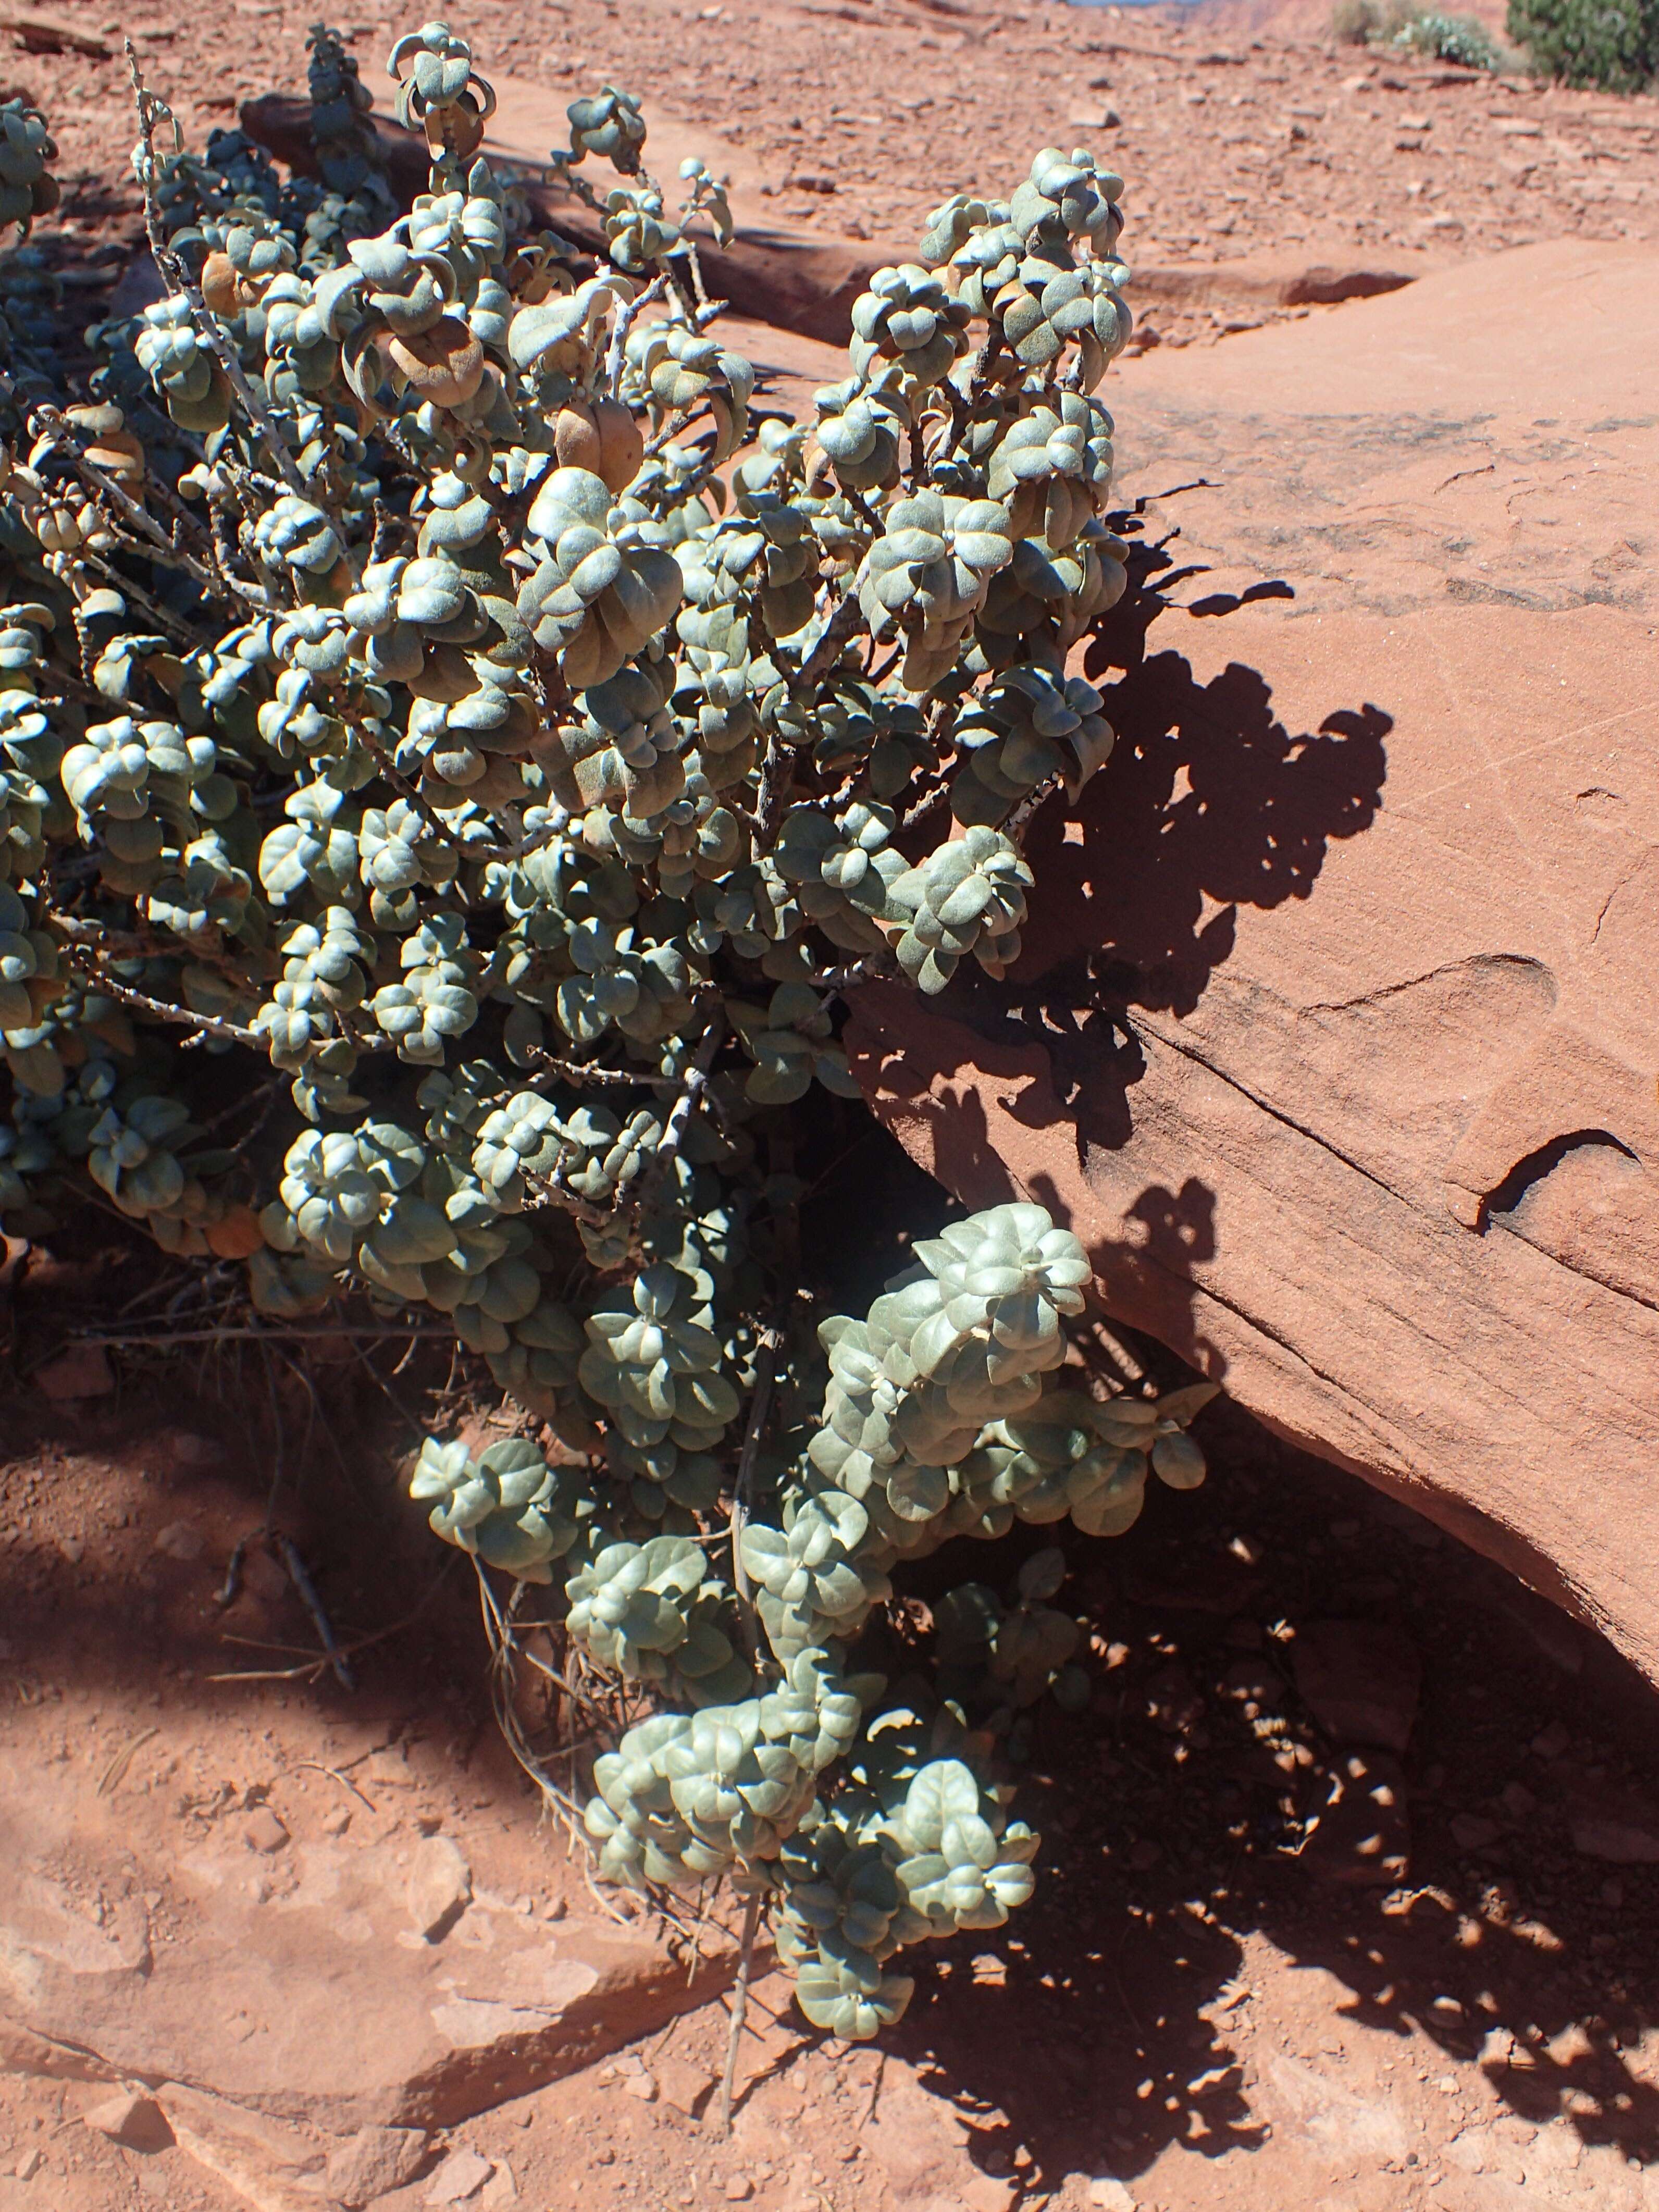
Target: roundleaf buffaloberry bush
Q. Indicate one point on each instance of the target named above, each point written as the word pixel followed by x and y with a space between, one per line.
pixel 432 696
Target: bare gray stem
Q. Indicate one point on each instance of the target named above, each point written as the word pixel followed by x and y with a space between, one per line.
pixel 739 2010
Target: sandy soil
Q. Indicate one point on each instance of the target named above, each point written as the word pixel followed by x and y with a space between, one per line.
pixel 1222 1996
pixel 853 117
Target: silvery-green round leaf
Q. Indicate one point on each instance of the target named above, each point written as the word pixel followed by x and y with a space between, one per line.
pixel 1177 1461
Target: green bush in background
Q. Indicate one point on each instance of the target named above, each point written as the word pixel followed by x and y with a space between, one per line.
pixel 1611 44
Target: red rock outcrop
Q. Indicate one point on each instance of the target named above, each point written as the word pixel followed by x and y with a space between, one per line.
pixel 1336 1035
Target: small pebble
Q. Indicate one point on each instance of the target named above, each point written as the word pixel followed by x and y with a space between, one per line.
pixel 262 1832
pixel 180 1540
pixel 1108 2195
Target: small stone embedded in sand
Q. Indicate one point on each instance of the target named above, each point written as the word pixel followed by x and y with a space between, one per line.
pixel 683 2085
pixel 180 1540
pixel 1360 1681
pixel 130 2118
pixel 264 1831
pixel 389 1769
pixel 372 2163
pixel 440 1887
pixel 1551 1741
pixel 989 2193
pixel 1607 1824
pixel 460 2176
pixel 1108 2195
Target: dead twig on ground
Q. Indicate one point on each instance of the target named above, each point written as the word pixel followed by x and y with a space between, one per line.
pixel 316 1766
pixel 314 1669
pixel 115 1774
pixel 288 1552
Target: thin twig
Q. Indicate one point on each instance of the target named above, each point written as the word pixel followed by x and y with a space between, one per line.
pixel 580 1072
pixel 289 1551
pixel 1014 826
pixel 335 1775
pixel 743 1489
pixel 554 1190
pixel 314 1669
pixel 873 965
pixel 841 627
pixel 778 767
pixel 45 422
pixel 625 323
pixel 209 1025
pixel 554 1674
pixel 694 1085
pixel 503 1644
pixel 173 274
pixel 739 2008
pixel 143 942
pixel 924 806
pixel 115 1774
pixel 422 805
pixel 681 419
pixel 179 630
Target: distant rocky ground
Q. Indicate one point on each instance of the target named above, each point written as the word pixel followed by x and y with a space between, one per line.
pixel 851 119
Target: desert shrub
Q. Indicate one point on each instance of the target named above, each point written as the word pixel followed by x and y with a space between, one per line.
pixel 1460 39
pixel 433 698
pixel 1463 39
pixel 1612 44
pixel 1364 22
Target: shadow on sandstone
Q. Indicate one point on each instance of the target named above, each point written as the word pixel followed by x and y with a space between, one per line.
pixel 1191 1845
pixel 1440 1883
pixel 1206 1828
pixel 1209 803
